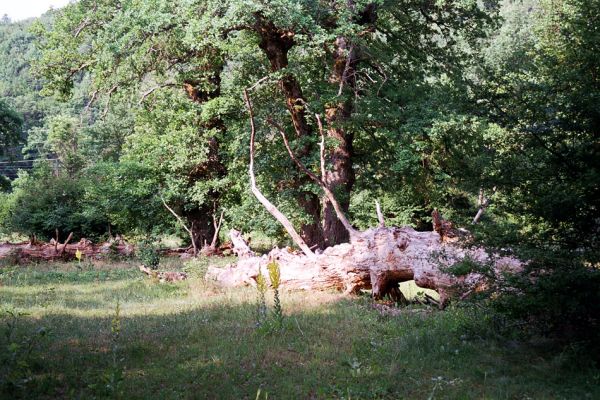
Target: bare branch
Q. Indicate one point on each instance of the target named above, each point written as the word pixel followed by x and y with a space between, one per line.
pixel 336 206
pixel 153 89
pixel 484 202
pixel 217 226
pixel 321 145
pixel 66 243
pixel 263 200
pixel 258 82
pixel 379 214
pixel 346 69
pixel 106 106
pixel 188 230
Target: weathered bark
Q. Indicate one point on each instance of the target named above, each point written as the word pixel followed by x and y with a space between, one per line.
pixel 240 247
pixel 377 259
pixel 340 177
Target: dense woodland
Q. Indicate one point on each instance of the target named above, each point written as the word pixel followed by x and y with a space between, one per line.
pixel 115 115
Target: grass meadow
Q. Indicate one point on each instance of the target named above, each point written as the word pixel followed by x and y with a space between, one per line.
pixel 103 330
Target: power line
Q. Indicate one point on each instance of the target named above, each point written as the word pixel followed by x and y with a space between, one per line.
pixel 29 161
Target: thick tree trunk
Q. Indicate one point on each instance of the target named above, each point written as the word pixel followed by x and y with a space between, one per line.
pixel 377 259
pixel 340 176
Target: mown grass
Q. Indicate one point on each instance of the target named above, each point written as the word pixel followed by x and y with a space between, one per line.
pixel 194 340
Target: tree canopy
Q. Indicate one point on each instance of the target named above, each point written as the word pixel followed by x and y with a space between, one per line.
pixel 461 106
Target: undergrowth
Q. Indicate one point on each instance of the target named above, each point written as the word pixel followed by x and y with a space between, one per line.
pixel 123 336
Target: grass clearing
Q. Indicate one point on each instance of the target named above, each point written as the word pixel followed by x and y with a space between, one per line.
pixel 194 340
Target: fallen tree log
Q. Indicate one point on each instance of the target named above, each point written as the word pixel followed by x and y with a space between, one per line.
pixel 52 251
pixel 377 259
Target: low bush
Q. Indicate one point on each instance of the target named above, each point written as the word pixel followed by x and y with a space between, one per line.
pixel 147 253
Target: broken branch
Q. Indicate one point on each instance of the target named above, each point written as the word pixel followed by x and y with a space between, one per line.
pixel 182 224
pixel 261 198
pixel 330 196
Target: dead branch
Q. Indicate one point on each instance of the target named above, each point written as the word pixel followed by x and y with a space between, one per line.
pixel 217 226
pixel 66 243
pixel 330 196
pixel 483 202
pixel 240 245
pixel 153 89
pixel 258 82
pixel 261 198
pixel 188 230
pixel 379 214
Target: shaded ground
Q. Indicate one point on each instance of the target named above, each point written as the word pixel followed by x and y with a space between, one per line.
pixel 192 340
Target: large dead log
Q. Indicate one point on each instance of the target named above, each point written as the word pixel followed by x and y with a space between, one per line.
pixel 52 251
pixel 376 259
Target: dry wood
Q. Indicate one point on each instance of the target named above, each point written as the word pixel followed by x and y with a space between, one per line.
pixel 24 252
pixel 188 230
pixel 240 246
pixel 274 211
pixel 379 214
pixel 217 226
pixel 328 193
pixel 62 252
pixel 377 259
pixel 484 202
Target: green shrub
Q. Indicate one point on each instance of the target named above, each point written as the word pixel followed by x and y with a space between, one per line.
pixel 147 253
pixel 42 203
pixel 555 297
pixel 18 358
pixel 195 267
